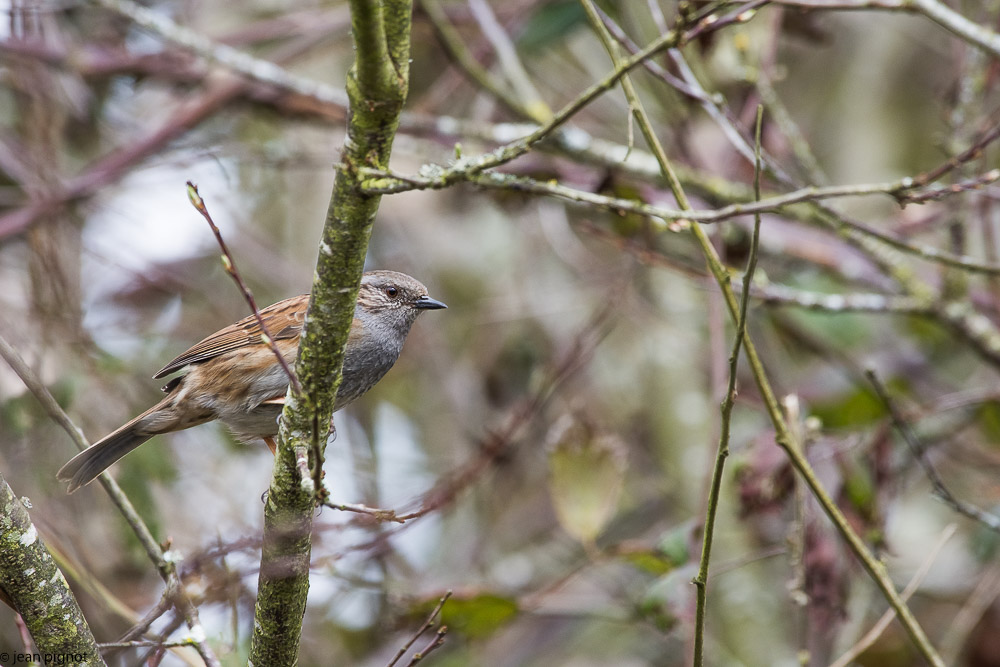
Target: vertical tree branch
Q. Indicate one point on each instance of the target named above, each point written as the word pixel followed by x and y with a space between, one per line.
pixel 377 87
pixel 701 580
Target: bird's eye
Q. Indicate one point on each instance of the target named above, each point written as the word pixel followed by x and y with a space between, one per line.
pixel 391 292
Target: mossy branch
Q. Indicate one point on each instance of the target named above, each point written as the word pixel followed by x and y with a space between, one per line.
pixel 377 88
pixel 35 587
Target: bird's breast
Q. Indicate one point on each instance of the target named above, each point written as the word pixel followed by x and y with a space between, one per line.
pixel 366 361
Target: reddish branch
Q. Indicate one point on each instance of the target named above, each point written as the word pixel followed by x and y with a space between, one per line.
pixel 230 265
pixel 113 166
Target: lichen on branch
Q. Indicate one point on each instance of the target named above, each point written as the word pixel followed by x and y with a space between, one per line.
pixel 377 87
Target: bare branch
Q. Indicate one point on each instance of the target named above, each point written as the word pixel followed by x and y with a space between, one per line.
pixel 970 31
pixel 916 580
pixel 167 568
pixel 232 59
pixel 918 451
pixel 229 264
pixel 423 628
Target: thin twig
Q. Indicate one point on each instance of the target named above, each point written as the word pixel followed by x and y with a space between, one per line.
pixel 969 31
pixel 456 49
pixel 230 265
pixel 856 232
pixel 142 627
pixel 918 451
pixel 148 644
pixel 965 185
pixel 167 569
pixel 510 61
pixel 379 514
pixel 435 643
pixel 423 628
pixel 905 189
pixel 985 589
pixel 728 401
pixel 883 622
pixel 234 60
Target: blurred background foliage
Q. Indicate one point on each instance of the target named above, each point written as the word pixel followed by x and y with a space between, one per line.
pixel 562 415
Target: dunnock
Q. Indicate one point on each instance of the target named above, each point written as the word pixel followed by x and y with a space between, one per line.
pixel 233 376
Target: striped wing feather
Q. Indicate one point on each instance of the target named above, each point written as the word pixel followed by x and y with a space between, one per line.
pixel 283 320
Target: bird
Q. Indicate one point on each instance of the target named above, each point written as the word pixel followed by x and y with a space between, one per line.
pixel 233 375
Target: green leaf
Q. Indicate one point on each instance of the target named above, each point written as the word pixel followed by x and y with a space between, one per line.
pixel 669 599
pixel 626 225
pixel 478 616
pixel 668 554
pixel 587 471
pixel 989 421
pixel 859 487
pixel 552 22
pixel 859 407
pixel 649 560
pixel 674 545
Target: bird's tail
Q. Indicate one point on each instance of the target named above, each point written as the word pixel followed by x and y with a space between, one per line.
pixel 83 468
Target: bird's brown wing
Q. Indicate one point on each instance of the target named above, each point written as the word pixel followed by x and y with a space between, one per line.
pixel 283 320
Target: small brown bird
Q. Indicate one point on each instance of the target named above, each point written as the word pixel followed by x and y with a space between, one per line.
pixel 233 376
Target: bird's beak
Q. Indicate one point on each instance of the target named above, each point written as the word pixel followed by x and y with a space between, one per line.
pixel 427 303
